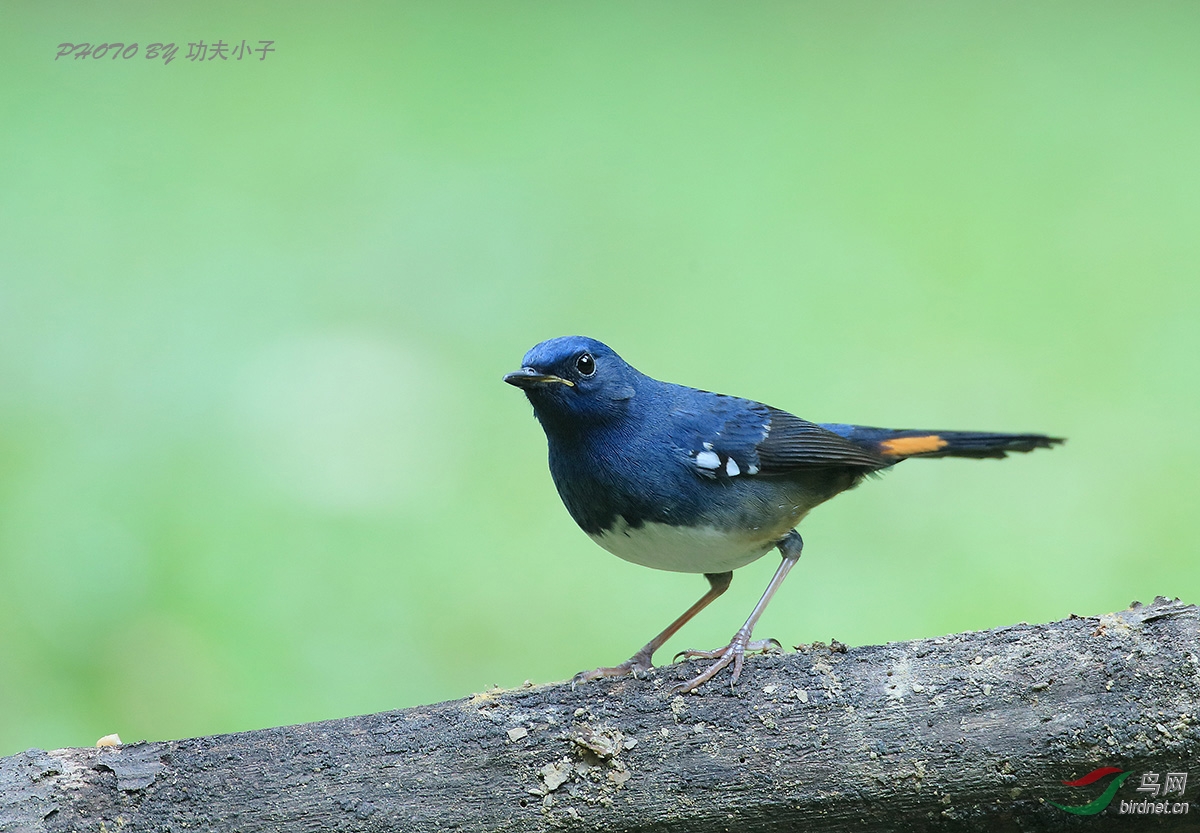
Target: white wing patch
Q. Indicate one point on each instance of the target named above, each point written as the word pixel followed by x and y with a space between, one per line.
pixel 712 463
pixel 715 463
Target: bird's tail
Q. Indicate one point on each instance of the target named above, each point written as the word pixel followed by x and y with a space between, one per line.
pixel 901 444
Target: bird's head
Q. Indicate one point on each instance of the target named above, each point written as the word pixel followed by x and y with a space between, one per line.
pixel 575 381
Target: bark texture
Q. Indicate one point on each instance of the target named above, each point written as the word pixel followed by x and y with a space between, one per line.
pixel 975 731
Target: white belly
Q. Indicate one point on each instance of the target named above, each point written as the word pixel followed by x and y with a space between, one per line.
pixel 682 549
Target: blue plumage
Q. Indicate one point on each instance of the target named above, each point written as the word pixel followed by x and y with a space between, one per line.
pixel 683 479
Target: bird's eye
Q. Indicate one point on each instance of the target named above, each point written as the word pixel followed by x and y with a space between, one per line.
pixel 585 364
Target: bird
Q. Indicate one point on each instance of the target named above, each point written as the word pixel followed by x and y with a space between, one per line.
pixel 682 479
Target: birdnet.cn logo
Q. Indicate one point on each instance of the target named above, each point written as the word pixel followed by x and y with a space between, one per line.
pixel 1163 792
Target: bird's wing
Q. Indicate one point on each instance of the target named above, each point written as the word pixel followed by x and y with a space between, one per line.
pixel 732 437
pixel 794 443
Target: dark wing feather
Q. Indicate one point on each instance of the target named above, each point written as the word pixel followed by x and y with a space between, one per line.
pixel 792 443
pixel 728 436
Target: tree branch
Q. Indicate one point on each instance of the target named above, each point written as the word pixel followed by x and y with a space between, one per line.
pixel 965 732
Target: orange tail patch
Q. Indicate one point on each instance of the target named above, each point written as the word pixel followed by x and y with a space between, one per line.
pixel 908 446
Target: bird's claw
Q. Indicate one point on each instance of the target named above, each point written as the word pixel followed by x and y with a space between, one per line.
pixel 637 666
pixel 734 652
pixel 765 645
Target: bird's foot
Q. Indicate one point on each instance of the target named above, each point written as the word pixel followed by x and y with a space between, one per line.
pixel 638 666
pixel 734 652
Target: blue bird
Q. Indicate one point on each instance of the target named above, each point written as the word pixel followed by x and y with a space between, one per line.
pixel 681 479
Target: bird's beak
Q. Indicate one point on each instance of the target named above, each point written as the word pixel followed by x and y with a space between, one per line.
pixel 527 377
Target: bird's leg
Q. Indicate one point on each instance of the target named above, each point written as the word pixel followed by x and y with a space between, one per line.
pixel 735 651
pixel 640 662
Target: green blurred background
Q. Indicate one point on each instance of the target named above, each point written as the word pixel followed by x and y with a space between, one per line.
pixel 257 465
